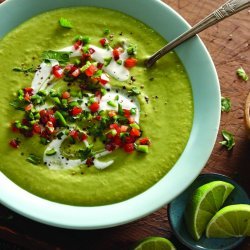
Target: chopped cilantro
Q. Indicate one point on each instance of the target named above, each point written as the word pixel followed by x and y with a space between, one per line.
pixel 132 50
pixel 24 70
pixel 65 23
pixel 85 153
pixel 229 139
pixel 225 104
pixel 34 159
pixel 134 91
pixel 242 74
pixel 61 56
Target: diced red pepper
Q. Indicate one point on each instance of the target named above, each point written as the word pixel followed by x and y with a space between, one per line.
pixel 94 107
pixel 50 127
pixel 76 111
pixel 135 132
pixel 14 143
pixel 144 141
pixel 28 107
pixel 91 51
pixel 84 136
pixel 57 71
pixel 90 71
pixel 100 65
pixel 115 126
pixel 131 119
pixel 129 147
pixel 129 139
pixel 98 118
pixel 104 42
pixel 117 140
pixel 116 54
pixel 27 97
pixel 126 113
pixel 130 62
pixel 37 128
pixel 65 95
pixel 74 134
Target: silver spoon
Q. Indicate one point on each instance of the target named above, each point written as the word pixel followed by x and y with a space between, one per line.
pixel 228 9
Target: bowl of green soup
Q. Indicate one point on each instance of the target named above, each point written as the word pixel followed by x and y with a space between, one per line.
pixel 91 138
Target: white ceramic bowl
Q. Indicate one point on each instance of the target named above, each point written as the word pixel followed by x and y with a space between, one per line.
pixel 206 92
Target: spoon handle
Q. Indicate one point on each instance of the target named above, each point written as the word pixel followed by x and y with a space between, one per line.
pixel 229 8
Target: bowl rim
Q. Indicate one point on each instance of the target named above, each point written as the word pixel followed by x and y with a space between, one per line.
pixel 74 217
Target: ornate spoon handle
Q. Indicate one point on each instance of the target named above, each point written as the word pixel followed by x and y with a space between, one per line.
pixel 229 8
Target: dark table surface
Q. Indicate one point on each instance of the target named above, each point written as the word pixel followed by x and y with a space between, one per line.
pixel 228 43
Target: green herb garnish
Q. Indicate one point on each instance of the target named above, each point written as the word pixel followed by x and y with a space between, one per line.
pixel 107 61
pixel 34 159
pixel 225 104
pixel 86 153
pixel 132 50
pixel 61 56
pixel 134 91
pixel 229 139
pixel 106 31
pixel 65 23
pixel 242 74
pixel 50 152
pixel 24 70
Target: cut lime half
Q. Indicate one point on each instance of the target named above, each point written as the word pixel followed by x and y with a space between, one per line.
pixel 203 205
pixel 155 243
pixel 230 221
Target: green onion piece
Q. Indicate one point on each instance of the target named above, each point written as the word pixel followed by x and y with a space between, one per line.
pixel 106 32
pixel 112 104
pixel 56 100
pixel 133 111
pixel 116 97
pixel 42 92
pixel 134 125
pixel 61 119
pixel 120 110
pixel 142 148
pixel 34 159
pixel 103 91
pixel 113 132
pixel 119 62
pixel 107 61
pixel 65 23
pixel 51 152
pixel 83 68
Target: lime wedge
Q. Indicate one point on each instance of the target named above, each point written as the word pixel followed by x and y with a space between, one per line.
pixel 203 204
pixel 155 243
pixel 230 221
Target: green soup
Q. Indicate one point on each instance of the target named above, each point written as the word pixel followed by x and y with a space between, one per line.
pixel 165 100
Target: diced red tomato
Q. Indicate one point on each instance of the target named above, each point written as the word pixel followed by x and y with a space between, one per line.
pixel 28 107
pixel 131 119
pixel 91 50
pixel 65 95
pixel 110 146
pixel 144 141
pixel 57 71
pixel 76 111
pixel 37 128
pixel 117 140
pixel 28 90
pixel 129 147
pixel 130 62
pixel 94 107
pixel 129 139
pixel 135 132
pixel 14 143
pixel 74 134
pixel 76 72
pixel 126 113
pixel 84 136
pixel 104 78
pixel 90 71
pixel 115 126
pixel 77 45
pixel 124 128
pixel 27 97
pixel 116 54
pixel 104 42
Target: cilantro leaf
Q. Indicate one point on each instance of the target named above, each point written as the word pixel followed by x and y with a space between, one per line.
pixel 61 56
pixel 242 74
pixel 225 104
pixel 65 23
pixel 34 159
pixel 86 153
pixel 229 139
pixel 134 91
pixel 24 70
